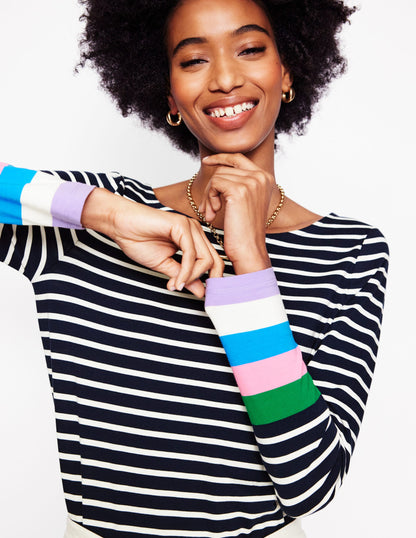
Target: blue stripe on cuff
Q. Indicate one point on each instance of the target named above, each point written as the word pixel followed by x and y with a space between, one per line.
pixel 12 181
pixel 252 346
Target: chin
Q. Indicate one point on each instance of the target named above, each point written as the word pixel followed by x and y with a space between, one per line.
pixel 236 146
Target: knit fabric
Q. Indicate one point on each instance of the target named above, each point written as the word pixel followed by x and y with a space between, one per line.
pixel 173 421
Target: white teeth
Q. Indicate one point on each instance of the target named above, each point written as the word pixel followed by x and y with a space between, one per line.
pixel 231 111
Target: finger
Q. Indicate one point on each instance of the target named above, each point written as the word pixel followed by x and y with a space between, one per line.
pixel 205 254
pixel 217 268
pixel 172 268
pixel 234 160
pixel 212 204
pixel 197 288
pixel 196 256
pixel 182 236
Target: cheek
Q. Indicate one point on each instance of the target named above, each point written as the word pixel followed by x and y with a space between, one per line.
pixel 184 90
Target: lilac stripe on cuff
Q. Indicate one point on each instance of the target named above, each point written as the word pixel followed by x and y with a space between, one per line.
pixel 67 204
pixel 241 288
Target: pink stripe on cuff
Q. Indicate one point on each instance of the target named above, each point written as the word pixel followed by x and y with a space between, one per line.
pixel 68 202
pixel 2 165
pixel 267 374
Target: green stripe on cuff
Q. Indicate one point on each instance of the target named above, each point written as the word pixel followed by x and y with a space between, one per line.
pixel 282 402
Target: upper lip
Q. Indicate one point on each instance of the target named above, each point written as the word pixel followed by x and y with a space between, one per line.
pixel 232 100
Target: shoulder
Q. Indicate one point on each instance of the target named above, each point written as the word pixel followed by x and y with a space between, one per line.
pixel 368 237
pixel 367 243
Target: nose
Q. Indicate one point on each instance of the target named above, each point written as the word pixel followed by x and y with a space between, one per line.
pixel 226 74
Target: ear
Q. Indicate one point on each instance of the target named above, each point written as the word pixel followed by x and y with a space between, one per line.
pixel 287 79
pixel 172 105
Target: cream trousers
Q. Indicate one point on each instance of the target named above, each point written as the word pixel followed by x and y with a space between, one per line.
pixel 293 530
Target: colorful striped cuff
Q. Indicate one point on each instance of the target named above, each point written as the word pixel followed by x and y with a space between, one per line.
pixel 241 288
pixel 36 198
pixel 282 402
pixel 249 316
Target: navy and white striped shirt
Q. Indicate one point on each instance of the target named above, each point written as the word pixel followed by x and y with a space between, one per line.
pixel 154 437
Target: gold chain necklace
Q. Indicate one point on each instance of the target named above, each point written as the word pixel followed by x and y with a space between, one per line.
pixel 214 231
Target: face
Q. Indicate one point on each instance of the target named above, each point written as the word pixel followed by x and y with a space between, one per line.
pixel 226 77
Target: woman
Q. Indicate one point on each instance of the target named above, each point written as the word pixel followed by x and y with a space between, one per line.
pixel 157 435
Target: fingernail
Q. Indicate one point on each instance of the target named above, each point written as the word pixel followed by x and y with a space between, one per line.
pixel 181 286
pixel 171 287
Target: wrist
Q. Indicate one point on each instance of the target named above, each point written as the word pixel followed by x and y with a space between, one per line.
pixel 99 211
pixel 251 261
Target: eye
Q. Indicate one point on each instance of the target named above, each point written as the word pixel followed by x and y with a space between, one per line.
pixel 190 63
pixel 251 51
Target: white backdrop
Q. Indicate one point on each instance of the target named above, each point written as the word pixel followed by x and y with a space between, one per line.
pixel 356 160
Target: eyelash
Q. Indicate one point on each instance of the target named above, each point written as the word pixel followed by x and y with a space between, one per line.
pixel 253 50
pixel 195 61
pixel 245 52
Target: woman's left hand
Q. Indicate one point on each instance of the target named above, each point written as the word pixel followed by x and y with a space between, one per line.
pixel 244 191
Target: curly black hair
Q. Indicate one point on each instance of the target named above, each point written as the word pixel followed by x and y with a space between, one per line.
pixel 125 41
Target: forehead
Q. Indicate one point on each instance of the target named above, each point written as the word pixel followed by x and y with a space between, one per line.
pixel 213 19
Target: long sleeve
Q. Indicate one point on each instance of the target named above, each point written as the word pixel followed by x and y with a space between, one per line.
pixel 30 197
pixel 40 213
pixel 306 418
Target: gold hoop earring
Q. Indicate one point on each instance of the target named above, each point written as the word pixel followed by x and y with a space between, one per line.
pixel 174 123
pixel 287 97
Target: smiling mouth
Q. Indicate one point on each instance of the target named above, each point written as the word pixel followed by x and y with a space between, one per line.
pixel 231 111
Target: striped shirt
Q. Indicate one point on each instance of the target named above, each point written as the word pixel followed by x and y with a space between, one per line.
pixel 183 419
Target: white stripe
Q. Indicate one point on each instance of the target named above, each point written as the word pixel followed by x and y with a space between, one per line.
pixel 28 249
pixel 248 316
pixel 116 313
pixel 145 375
pixel 277 439
pixel 183 456
pixel 171 513
pixel 154 358
pixel 159 434
pixel 279 460
pixel 334 352
pixel 339 386
pixel 43 252
pixel 182 494
pixel 36 199
pixel 283 481
pixel 163 473
pixel 106 387
pixel 306 494
pixel 336 369
pixel 180 532
pixel 114 349
pixel 347 409
pixel 185 419
pixel 113 294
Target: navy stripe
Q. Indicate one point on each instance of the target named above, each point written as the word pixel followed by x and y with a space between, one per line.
pixel 145 398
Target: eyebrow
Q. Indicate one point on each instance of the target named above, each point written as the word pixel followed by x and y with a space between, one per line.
pixel 198 40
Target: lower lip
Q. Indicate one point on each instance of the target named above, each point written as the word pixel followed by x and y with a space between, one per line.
pixel 228 123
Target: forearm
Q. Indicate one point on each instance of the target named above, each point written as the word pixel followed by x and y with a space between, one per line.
pixel 279 393
pixel 249 316
pixel 98 212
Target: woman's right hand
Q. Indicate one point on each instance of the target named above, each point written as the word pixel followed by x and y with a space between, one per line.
pixel 151 237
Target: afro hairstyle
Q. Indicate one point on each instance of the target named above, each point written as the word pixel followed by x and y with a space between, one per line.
pixel 124 40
